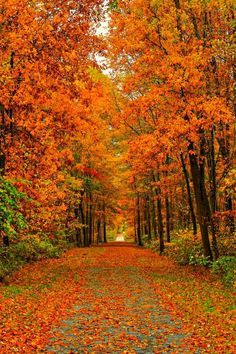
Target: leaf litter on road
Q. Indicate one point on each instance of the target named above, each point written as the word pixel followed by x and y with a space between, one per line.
pixel 115 299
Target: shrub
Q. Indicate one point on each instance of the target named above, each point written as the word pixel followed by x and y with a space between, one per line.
pixel 196 256
pixel 185 251
pixel 146 242
pixel 48 250
pixel 226 245
pixel 152 244
pixel 225 267
pixel 8 261
pixel 27 250
pixel 11 218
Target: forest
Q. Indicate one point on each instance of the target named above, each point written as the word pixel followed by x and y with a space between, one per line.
pixel 117 118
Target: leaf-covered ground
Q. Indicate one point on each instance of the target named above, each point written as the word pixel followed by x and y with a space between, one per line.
pixel 115 299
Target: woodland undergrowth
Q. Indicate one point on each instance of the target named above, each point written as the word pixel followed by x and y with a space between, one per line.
pixel 184 249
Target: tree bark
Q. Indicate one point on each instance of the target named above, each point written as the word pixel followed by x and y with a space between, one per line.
pixel 159 216
pixel 104 224
pixel 190 201
pixel 154 224
pixel 229 207
pixel 160 225
pixel 213 191
pixel 148 218
pixel 202 203
pixel 167 218
pixel 225 153
pixel 90 229
pixel 139 238
pixel 77 230
pixel 99 231
pixel 83 243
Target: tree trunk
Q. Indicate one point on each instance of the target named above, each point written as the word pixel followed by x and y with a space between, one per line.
pixel 83 223
pixel 225 153
pixel 86 243
pixel 167 218
pixel 160 225
pixel 2 163
pixel 93 228
pixel 78 237
pixel 139 239
pixel 202 203
pixel 190 201
pixel 135 230
pixel 99 240
pixel 229 207
pixel 6 241
pixel 145 216
pixel 77 231
pixel 154 224
pixel 104 224
pixel 90 230
pixel 213 191
pixel 159 216
pixel 148 218
pixel 171 215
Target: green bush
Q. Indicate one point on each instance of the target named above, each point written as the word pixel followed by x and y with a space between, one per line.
pixel 11 218
pixel 63 239
pixel 146 241
pixel 196 256
pixel 48 250
pixel 25 250
pixel 225 267
pixel 28 250
pixel 33 248
pixel 152 244
pixel 184 251
pixel 8 261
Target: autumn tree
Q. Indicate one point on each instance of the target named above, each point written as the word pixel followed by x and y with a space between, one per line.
pixel 47 90
pixel 174 61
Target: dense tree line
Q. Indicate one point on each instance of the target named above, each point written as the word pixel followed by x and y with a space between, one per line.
pixel 174 64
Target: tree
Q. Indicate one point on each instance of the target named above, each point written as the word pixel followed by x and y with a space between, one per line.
pixel 171 70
